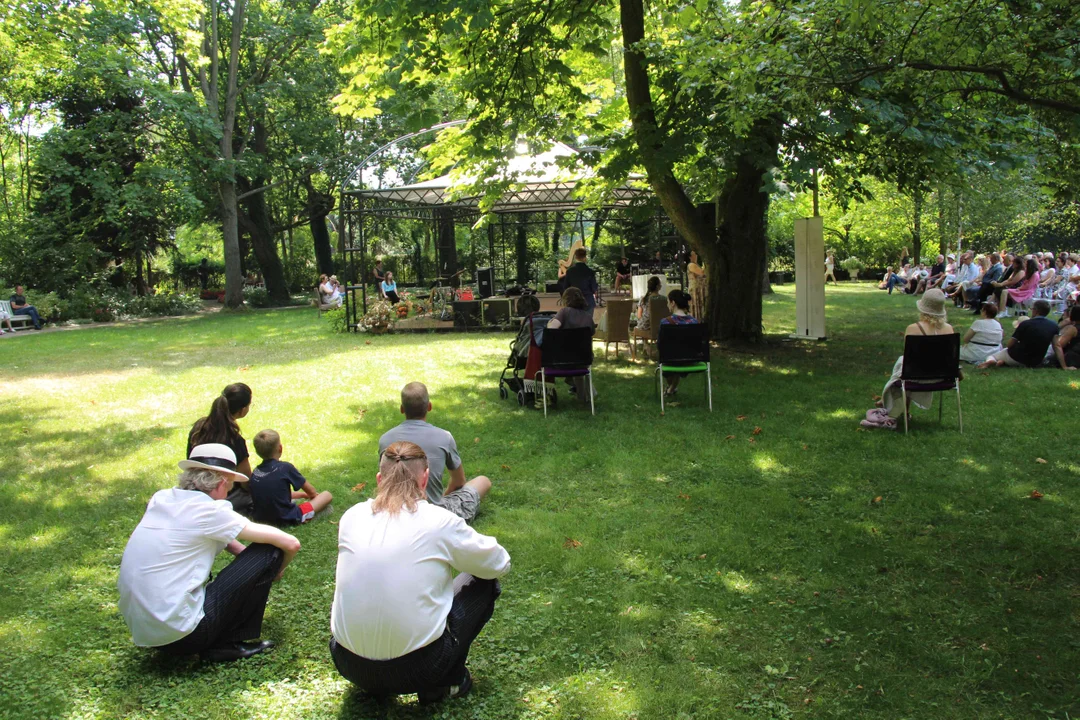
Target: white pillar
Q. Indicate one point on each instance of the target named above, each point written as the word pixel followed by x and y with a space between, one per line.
pixel 810 278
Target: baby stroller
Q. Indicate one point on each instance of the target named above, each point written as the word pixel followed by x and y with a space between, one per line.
pixel 519 383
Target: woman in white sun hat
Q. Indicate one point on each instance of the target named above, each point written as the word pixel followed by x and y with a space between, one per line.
pixel 932 321
pixel 165 598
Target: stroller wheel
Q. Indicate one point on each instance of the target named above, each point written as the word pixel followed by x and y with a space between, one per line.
pixel 503 394
pixel 521 398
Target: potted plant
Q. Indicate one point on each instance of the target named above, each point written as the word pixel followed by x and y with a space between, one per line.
pixel 379 318
pixel 853 265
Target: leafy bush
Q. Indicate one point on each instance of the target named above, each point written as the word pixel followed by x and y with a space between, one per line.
pixel 337 319
pixel 162 304
pixel 852 264
pixel 187 272
pixel 257 297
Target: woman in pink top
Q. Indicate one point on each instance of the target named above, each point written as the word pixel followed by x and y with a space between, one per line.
pixel 1026 291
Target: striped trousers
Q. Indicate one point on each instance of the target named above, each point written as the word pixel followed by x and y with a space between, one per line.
pixel 438 664
pixel 234 602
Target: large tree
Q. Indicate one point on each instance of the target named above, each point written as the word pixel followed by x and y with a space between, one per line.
pixel 723 98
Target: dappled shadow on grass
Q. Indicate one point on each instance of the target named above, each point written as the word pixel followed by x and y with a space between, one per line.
pixel 661 567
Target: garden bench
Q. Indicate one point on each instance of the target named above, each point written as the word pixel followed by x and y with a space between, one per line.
pixel 23 320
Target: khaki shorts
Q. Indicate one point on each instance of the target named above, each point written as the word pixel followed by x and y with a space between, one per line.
pixel 1005 357
pixel 463 502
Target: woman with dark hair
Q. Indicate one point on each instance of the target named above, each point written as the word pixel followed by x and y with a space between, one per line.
pixel 401 622
pixel 651 291
pixel 574 313
pixel 983 338
pixel 1014 275
pixel 220 426
pixel 679 304
pixel 1067 346
pixel 1026 290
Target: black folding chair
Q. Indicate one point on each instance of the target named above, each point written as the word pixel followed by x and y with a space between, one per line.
pixel 931 364
pixel 566 352
pixel 684 349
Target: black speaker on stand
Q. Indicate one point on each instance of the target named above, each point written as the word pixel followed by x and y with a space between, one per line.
pixel 466 314
pixel 485 281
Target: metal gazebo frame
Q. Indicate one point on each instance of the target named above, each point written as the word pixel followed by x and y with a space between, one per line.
pixel 546 189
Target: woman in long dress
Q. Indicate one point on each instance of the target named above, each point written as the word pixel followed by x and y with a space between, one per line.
pixel 932 321
pixel 696 274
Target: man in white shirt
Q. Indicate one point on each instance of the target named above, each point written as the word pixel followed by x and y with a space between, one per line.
pixel 164 597
pixel 401 622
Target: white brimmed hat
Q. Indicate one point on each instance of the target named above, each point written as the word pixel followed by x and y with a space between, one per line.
pixel 932 303
pixel 213 456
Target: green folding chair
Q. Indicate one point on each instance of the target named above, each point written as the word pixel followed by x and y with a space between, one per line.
pixel 683 349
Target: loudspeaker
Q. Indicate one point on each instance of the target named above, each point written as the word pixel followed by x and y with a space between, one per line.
pixel 497 311
pixel 485 281
pixel 466 313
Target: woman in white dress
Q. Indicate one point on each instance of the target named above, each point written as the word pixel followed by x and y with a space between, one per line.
pixel 932 321
pixel 830 267
pixel 983 339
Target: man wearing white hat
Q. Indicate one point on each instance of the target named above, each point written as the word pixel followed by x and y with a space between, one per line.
pixel 164 595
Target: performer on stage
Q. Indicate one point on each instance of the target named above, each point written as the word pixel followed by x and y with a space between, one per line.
pixel 622 273
pixel 583 277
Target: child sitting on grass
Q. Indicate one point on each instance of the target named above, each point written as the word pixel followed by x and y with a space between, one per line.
pixel 275 484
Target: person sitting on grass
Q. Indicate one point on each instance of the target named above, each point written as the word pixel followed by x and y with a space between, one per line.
pixel 983 339
pixel 165 598
pixel 1067 347
pixel 19 307
pixel 276 483
pixel 460 497
pixel 401 622
pixel 679 304
pixel 329 293
pixel 1028 345
pixel 220 426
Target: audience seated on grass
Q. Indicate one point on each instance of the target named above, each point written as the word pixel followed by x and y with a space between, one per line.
pixel 220 427
pixel 276 483
pixel 165 598
pixel 401 622
pixel 679 304
pixel 460 497
pixel 329 292
pixel 932 321
pixel 1067 347
pixel 1029 343
pixel 983 338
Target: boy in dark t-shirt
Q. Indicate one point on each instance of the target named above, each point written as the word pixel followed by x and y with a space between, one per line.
pixel 275 484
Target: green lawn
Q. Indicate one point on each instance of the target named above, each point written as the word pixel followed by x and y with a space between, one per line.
pixel 720 573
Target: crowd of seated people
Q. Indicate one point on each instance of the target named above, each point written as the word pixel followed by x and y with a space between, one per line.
pixel 1011 282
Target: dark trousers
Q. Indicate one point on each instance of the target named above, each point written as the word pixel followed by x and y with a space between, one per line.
pixel 32 312
pixel 393 297
pixel 985 291
pixel 438 664
pixel 234 603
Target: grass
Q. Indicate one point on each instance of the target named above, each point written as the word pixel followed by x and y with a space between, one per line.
pixel 664 567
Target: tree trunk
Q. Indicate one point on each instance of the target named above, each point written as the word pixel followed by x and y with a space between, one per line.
pixel 521 248
pixel 319 206
pixel 230 231
pixel 234 279
pixel 943 242
pixel 916 225
pixel 260 229
pixel 736 253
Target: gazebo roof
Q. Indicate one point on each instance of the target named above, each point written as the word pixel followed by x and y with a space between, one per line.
pixel 540 184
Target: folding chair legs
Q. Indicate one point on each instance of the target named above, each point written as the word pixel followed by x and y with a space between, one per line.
pixel 592 405
pixel 903 392
pixel 959 413
pixel 708 383
pixel 543 390
pixel 659 374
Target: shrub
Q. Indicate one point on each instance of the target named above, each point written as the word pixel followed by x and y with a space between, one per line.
pixel 337 319
pixel 257 297
pixel 162 304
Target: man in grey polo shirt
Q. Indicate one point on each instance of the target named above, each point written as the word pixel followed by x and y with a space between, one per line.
pixel 460 497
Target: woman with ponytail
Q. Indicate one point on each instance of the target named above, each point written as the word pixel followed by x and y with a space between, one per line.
pixel 401 622
pixel 220 427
